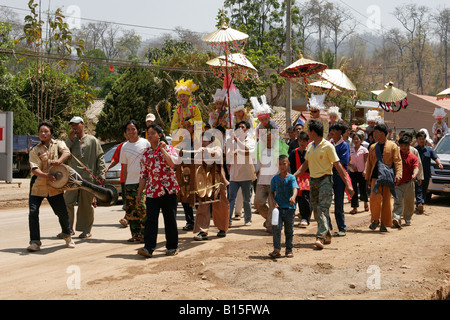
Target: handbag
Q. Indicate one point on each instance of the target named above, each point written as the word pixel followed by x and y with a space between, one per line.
pixel 386 174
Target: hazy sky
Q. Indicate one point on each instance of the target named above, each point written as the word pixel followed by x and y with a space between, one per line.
pixel 198 15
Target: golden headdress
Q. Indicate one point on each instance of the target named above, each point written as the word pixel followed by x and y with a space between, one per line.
pixel 185 87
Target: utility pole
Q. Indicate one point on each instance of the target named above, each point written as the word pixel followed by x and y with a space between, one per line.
pixel 288 62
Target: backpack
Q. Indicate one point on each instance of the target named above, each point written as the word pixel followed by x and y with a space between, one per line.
pixel 386 175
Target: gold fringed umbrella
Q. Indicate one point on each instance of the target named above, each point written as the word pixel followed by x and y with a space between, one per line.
pixel 338 78
pixel 392 99
pixel 222 39
pixel 443 94
pixel 239 67
pixel 324 85
pixel 225 35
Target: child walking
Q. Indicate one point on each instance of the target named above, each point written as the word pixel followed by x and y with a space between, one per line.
pixel 283 189
pixel 404 203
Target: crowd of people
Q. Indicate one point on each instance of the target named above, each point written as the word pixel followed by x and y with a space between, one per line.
pixel 321 161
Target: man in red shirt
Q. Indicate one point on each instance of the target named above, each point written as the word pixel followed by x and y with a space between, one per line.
pixel 114 161
pixel 404 204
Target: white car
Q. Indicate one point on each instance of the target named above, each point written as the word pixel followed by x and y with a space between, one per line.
pixel 113 175
pixel 440 179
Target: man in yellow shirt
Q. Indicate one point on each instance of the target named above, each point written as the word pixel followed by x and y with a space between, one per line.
pixel 320 159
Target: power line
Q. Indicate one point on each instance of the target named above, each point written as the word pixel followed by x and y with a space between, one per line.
pixel 115 63
pixel 364 16
pixel 112 22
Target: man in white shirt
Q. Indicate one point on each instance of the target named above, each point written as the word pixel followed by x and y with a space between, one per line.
pixel 242 171
pixel 130 157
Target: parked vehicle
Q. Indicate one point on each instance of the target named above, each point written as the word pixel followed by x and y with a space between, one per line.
pixel 113 175
pixel 440 179
pixel 22 144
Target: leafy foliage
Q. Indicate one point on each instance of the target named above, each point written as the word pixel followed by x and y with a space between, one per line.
pixel 139 91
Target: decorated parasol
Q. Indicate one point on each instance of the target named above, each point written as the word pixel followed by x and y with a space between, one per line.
pixel 392 99
pixel 443 94
pixel 303 68
pixel 338 78
pixel 324 85
pixel 239 67
pixel 222 39
pixel 225 36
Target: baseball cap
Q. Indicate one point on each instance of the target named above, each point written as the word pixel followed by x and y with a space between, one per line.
pixel 150 117
pixel 76 120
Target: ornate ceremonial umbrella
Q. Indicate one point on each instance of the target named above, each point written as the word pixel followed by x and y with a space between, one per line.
pixel 392 99
pixel 222 39
pixel 239 67
pixel 443 94
pixel 338 78
pixel 324 85
pixel 303 68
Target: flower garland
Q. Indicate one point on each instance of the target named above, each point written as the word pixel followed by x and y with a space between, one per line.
pixel 394 106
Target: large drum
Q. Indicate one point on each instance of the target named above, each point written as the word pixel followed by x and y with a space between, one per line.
pixel 199 183
pixel 68 179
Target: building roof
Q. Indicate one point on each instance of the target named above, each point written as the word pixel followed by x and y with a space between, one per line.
pixel 368 104
pixel 432 99
pixel 280 118
pixel 94 110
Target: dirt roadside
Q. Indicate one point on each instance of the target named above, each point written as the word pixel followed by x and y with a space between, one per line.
pixel 408 264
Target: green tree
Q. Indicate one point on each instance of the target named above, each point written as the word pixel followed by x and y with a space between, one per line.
pixel 10 97
pixel 264 22
pixel 138 91
pixel 50 93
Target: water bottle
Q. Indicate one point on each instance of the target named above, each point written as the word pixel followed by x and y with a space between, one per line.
pixel 275 215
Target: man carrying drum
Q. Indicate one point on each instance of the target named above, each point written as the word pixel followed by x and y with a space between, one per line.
pixel 43 156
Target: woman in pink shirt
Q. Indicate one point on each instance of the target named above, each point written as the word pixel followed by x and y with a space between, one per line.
pixel 357 164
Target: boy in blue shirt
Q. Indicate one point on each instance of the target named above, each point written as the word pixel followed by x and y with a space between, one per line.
pixel 283 188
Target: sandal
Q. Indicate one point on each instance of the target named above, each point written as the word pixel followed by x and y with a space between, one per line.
pixel 354 211
pixel 134 239
pixel 275 254
pixel 188 227
pixel 366 207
